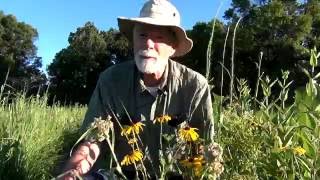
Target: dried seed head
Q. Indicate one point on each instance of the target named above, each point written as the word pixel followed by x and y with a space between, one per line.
pixel 217 168
pixel 213 151
pixel 101 128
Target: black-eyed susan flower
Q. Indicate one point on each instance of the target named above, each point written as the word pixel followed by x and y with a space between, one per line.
pixel 162 119
pixel 135 128
pixel 132 158
pixel 195 163
pixel 188 134
pixel 299 150
pixel 186 163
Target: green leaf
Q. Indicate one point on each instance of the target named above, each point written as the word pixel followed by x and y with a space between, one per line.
pixel 310 149
pixel 288 84
pixel 307 73
pixel 317 164
pixel 309 89
pixel 305 163
pixel 312 121
pixel 317 132
pixel 313 59
pixel 168 137
pixel 273 83
pixel 304 102
pixel 316 76
pixel 278 143
pixel 278 163
pixel 289 135
pixel 318 108
pixel 291 176
pixel 307 145
pixel 305 120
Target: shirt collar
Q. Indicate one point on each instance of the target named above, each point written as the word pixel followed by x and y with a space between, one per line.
pixel 141 87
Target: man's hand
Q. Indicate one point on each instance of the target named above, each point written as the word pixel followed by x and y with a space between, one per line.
pixel 82 160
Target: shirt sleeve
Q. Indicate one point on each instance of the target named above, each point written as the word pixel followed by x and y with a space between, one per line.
pixel 201 112
pixel 96 107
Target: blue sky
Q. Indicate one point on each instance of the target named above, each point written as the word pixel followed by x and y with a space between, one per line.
pixel 55 19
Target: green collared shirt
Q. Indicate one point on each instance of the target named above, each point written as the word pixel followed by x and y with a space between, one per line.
pixel 182 91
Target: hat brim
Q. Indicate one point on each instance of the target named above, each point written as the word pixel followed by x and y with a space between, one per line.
pixel 184 43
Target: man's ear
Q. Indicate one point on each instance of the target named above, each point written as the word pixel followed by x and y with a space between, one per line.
pixel 173 50
pixel 174 46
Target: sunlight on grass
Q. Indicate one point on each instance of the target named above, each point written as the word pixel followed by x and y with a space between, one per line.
pixel 34 135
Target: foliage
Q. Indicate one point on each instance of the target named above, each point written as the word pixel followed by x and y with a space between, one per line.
pixel 182 153
pixel 266 137
pixel 34 137
pixel 282 30
pixel 200 34
pixel 18 55
pixel 261 139
pixel 279 140
pixel 78 66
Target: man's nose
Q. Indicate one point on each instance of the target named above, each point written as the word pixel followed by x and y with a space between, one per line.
pixel 150 43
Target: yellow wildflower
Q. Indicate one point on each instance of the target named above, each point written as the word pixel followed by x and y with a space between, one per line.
pixel 162 119
pixel 195 163
pixel 188 134
pixel 299 150
pixel 198 171
pixel 132 158
pixel 133 129
pixel 186 163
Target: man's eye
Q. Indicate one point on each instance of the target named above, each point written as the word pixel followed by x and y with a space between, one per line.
pixel 159 37
pixel 143 35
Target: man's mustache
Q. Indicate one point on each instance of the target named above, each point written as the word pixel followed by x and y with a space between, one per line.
pixel 147 53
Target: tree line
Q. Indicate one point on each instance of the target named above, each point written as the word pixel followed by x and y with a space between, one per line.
pixel 279 32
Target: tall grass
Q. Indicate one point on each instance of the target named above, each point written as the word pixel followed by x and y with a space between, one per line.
pixel 269 138
pixel 34 136
pixel 262 138
pixel 275 139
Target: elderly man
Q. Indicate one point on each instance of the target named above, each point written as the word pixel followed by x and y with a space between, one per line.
pixel 149 86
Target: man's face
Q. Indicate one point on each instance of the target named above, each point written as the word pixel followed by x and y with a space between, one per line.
pixel 152 45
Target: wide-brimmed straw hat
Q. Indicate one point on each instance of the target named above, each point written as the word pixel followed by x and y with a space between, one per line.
pixel 159 13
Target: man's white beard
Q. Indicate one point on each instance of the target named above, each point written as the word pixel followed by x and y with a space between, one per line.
pixel 149 66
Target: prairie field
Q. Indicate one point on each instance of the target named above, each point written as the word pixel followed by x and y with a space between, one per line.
pixel 268 138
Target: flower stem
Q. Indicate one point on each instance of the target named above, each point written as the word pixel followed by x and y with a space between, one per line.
pixel 115 159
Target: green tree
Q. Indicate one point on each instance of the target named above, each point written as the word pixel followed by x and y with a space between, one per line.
pixel 312 7
pixel 283 30
pixel 196 59
pixel 78 66
pixel 18 54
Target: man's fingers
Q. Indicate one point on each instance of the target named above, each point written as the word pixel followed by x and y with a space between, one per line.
pixel 83 159
pixel 69 175
pixel 84 166
pixel 68 178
